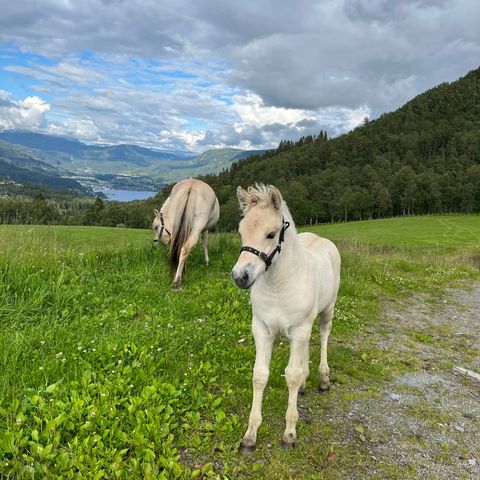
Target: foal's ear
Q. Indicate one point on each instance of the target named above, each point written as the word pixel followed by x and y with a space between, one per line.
pixel 156 212
pixel 275 198
pixel 244 198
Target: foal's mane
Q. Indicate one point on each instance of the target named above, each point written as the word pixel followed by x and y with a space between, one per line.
pixel 258 195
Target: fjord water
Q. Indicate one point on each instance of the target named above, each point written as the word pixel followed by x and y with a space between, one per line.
pixel 128 195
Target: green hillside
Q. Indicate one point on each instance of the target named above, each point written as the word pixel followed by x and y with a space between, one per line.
pixel 25 165
pixel 422 158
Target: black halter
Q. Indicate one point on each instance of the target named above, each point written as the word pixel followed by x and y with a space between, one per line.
pixel 268 258
pixel 162 223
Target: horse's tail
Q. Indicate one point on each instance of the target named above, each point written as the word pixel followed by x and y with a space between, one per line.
pixel 181 215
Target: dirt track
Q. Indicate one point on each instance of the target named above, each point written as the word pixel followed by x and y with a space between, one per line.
pixel 426 423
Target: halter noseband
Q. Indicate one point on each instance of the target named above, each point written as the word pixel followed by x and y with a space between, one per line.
pixel 160 215
pixel 268 258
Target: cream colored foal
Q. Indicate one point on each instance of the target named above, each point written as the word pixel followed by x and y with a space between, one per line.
pixel 293 279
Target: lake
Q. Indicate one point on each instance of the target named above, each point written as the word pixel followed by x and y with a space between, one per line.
pixel 128 195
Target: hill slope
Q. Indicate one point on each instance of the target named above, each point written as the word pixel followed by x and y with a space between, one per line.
pixel 422 158
pixel 25 165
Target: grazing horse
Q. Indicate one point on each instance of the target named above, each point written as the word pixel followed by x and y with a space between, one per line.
pixel 293 279
pixel 191 209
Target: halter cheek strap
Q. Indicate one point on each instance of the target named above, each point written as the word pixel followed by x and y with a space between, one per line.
pixel 163 227
pixel 262 255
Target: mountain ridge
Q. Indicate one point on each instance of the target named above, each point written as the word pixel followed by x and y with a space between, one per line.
pixel 116 166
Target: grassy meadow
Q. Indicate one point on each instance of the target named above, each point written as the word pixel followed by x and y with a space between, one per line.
pixel 105 372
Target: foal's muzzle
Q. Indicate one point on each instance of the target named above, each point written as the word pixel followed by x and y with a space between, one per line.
pixel 242 278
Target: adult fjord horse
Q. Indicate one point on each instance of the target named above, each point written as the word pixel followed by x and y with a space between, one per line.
pixel 293 279
pixel 190 210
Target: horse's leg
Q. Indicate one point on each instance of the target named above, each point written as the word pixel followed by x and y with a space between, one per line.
pixel 184 253
pixel 305 368
pixel 205 245
pixel 294 376
pixel 325 327
pixel 263 345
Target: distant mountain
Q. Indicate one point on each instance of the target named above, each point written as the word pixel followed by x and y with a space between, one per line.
pixel 39 141
pixel 121 166
pixel 76 156
pixel 25 165
pixel 211 161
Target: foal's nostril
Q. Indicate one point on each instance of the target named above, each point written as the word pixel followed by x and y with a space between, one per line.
pixel 242 278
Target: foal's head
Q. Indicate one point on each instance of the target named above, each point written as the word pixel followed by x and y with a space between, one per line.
pixel 261 228
pixel 158 226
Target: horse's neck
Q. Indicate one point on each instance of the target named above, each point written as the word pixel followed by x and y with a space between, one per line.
pixel 291 259
pixel 165 211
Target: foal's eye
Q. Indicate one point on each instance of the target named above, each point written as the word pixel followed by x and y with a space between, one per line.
pixel 271 235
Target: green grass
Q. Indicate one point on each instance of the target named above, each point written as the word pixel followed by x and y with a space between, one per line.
pixel 105 372
pixel 437 234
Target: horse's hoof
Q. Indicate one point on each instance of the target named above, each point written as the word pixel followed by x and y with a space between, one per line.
pixel 176 287
pixel 246 449
pixel 323 387
pixel 287 445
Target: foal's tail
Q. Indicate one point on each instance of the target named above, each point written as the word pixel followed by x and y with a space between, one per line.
pixel 181 213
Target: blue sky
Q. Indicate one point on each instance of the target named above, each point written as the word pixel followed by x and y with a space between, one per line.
pixel 199 74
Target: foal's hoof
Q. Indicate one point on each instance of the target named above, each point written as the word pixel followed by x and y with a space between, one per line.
pixel 324 386
pixel 176 287
pixel 246 449
pixel 287 445
pixel 323 389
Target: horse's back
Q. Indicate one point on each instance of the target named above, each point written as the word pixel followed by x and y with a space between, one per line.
pixel 326 254
pixel 320 246
pixel 203 203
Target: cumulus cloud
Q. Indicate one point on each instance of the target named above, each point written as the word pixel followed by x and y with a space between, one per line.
pixel 28 113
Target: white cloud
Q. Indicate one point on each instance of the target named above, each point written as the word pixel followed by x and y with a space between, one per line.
pixel 356 117
pixel 28 113
pixel 252 110
pixel 84 130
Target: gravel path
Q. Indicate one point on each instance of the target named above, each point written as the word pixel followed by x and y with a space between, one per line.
pixel 426 423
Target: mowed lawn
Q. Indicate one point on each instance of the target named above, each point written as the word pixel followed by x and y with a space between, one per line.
pixel 105 372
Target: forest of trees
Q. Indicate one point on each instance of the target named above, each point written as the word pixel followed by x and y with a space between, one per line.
pixel 421 159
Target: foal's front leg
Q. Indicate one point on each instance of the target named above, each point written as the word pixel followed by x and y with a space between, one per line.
pixel 295 378
pixel 264 345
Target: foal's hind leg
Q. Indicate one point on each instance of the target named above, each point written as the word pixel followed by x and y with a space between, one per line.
pixel 325 327
pixel 205 245
pixel 184 253
pixel 305 368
